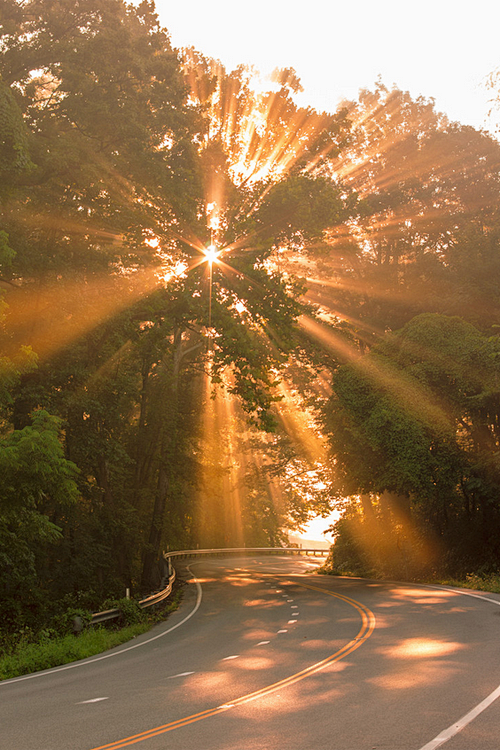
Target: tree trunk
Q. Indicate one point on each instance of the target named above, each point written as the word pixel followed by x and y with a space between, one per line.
pixel 150 573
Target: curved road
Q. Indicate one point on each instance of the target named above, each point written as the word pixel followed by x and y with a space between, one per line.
pixel 265 655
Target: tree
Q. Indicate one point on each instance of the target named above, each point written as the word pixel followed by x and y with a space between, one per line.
pixel 413 430
pixel 38 484
pixel 119 170
pixel 424 231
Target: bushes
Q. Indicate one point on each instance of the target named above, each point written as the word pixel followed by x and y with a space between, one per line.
pixel 25 651
pixel 65 623
pixel 414 434
pixel 131 612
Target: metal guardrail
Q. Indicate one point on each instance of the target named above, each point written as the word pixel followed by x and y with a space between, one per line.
pixel 148 601
pixel 247 550
pixel 159 596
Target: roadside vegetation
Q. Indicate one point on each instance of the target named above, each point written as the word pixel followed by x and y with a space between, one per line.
pixel 25 652
pixel 476 581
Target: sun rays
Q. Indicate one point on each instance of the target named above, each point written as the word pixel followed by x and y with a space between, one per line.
pixel 254 139
pixel 264 136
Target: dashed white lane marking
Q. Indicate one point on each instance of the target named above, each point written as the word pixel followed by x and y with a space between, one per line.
pixel 227 658
pixel 291 622
pixel 282 631
pixel 289 600
pixel 295 606
pixel 181 674
pixel 263 643
pixel 92 700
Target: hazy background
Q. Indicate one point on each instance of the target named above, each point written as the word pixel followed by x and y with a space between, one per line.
pixel 442 49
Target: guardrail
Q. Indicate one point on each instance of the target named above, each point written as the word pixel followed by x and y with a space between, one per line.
pixel 159 596
pixel 148 601
pixel 246 550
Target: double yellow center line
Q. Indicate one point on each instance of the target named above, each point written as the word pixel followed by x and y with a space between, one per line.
pixel 367 627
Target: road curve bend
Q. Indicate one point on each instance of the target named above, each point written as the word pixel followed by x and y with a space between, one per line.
pixel 263 653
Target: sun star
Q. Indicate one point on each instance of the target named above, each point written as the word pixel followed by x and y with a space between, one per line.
pixel 212 254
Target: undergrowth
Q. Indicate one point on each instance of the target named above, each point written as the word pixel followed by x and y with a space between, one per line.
pixel 47 649
pixel 490 582
pixel 477 581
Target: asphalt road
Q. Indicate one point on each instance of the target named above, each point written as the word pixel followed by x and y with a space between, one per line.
pixel 265 655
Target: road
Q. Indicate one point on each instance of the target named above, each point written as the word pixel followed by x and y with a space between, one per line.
pixel 263 654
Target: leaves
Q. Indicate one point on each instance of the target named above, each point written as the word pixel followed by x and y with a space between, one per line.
pixel 384 441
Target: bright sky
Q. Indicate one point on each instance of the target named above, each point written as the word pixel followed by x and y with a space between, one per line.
pixel 317 526
pixel 443 49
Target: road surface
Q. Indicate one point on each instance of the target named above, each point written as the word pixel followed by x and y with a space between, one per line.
pixel 263 654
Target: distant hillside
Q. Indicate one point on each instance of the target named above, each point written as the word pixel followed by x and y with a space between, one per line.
pixel 308 543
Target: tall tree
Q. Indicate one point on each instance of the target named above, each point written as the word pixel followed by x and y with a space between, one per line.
pixel 427 192
pixel 413 427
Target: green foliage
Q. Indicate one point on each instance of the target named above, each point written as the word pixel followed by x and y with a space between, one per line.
pixel 417 419
pixel 479 582
pixel 130 611
pixel 26 651
pixel 7 254
pixel 110 167
pixel 424 236
pixel 62 624
pixel 37 482
pixel 53 653
pixel 301 208
pixel 14 154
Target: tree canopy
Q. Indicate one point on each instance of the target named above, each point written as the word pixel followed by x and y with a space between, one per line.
pixel 202 281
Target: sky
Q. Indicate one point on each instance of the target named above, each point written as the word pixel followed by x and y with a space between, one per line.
pixel 441 49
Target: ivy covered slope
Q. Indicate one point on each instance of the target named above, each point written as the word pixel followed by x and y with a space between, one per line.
pixel 414 432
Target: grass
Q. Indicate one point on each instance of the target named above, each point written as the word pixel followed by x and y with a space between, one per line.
pixel 27 658
pixel 485 582
pixel 489 583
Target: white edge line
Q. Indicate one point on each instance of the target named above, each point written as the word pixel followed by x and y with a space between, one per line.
pixel 465 593
pixel 455 728
pixel 83 663
pixel 441 738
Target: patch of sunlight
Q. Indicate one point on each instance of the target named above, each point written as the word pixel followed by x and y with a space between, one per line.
pixel 254 663
pixel 422 648
pixel 427 673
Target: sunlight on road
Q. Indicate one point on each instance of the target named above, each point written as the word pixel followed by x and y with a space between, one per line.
pixel 422 648
pixel 427 666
